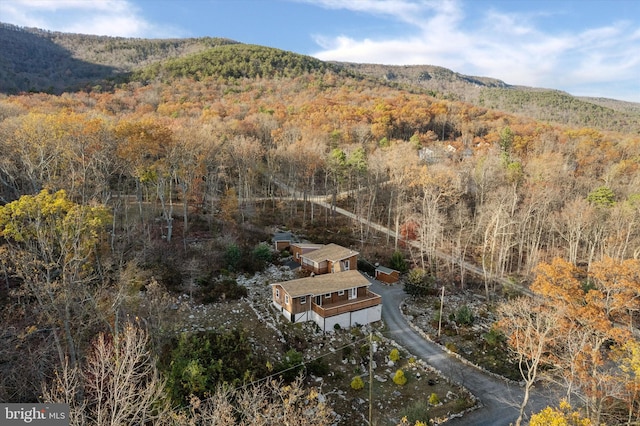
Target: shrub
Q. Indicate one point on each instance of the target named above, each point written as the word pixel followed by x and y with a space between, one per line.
pixel 357 383
pixel 232 257
pixel 364 351
pixel 433 399
pixel 318 367
pixel 452 347
pixel 394 355
pixel 397 262
pixel 199 362
pixel 494 337
pixel 419 283
pixel 412 360
pixel 291 365
pixel 464 316
pixel 346 352
pixel 261 255
pixel 227 289
pixel 167 272
pixel 399 378
pixel 418 411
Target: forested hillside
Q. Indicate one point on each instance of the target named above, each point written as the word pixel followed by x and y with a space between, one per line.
pixel 114 203
pixel 45 61
pixel 541 104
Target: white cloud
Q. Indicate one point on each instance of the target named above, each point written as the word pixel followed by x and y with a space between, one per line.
pixel 511 47
pixel 100 17
pixel 54 5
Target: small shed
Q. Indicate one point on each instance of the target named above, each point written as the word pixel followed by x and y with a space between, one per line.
pixel 387 275
pixel 282 240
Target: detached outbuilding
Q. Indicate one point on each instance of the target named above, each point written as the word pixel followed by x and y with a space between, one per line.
pixel 282 240
pixel 387 275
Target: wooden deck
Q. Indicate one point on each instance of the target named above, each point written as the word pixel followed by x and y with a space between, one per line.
pixel 329 310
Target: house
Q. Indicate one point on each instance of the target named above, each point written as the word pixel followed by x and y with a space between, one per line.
pixel 387 275
pixel 427 155
pixel 299 249
pixel 329 259
pixel 343 299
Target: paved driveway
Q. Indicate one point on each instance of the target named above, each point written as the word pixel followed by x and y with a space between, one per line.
pixel 500 400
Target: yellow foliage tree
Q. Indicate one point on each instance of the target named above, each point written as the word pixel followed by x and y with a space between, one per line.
pixel 51 245
pixel 561 416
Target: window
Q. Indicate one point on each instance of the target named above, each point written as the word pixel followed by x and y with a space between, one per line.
pixel 303 300
pixel 346 265
pixel 297 255
pixel 286 299
pixel 278 293
pixel 327 296
pixel 353 294
pixel 341 293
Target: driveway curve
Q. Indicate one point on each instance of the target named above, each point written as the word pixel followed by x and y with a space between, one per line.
pixel 500 400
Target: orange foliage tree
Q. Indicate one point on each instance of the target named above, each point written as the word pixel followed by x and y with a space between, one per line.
pixel 599 308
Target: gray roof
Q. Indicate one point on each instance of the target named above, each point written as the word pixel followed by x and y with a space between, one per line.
pixel 323 284
pixel 283 236
pixel 386 270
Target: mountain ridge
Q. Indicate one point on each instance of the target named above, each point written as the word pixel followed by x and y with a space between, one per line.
pixel 54 62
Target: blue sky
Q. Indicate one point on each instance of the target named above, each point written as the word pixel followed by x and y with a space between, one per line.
pixel 585 47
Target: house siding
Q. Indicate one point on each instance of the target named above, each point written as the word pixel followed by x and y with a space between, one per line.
pixel 340 265
pixel 391 278
pixel 281 245
pixel 278 290
pixel 298 307
pixel 320 268
pixel 299 250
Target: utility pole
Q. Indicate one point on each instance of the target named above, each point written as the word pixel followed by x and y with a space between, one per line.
pixel 441 306
pixel 370 376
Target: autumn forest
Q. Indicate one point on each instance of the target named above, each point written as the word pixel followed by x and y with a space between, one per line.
pixel 166 177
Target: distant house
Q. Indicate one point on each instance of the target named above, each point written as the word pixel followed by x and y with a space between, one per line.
pixel 427 155
pixel 387 275
pixel 329 259
pixel 343 298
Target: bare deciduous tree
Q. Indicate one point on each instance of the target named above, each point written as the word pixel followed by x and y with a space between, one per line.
pixel 118 384
pixel 264 404
pixel 529 326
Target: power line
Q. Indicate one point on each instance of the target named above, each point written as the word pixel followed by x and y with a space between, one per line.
pixel 302 364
